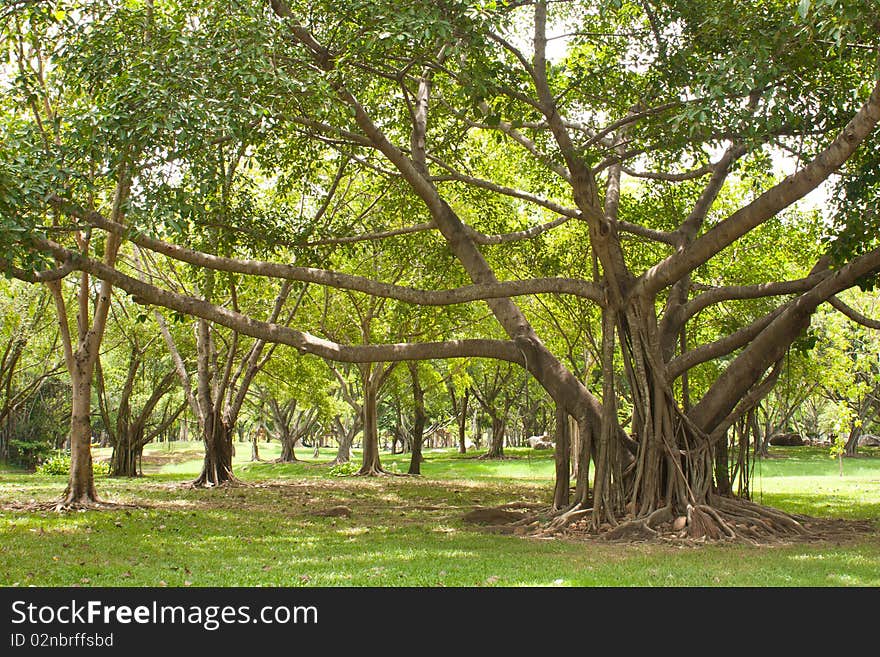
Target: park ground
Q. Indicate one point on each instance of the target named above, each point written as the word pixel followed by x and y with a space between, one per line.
pixel 287 527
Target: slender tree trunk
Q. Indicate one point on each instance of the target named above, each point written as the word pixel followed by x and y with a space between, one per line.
pixel 418 432
pixel 81 481
pixel 562 457
pixel 462 422
pixel 371 464
pixel 255 447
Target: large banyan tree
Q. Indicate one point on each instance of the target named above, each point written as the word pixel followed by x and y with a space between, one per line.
pixel 644 135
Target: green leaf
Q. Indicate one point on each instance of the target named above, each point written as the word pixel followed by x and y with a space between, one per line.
pixel 804 8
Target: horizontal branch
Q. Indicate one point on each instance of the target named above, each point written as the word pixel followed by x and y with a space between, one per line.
pixel 670 177
pixel 504 238
pixel 724 346
pixel 30 276
pixel 649 233
pixel 773 342
pixel 352 137
pixel 338 280
pixel 304 342
pixel 768 204
pixel 854 314
pixel 369 237
pixel 759 291
pixel 507 191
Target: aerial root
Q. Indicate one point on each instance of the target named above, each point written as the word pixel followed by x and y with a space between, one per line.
pixel 720 519
pixel 560 520
pixel 378 471
pixel 66 506
pixel 756 517
pixel 705 522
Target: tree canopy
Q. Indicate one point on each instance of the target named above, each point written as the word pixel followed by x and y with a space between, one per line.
pixel 587 190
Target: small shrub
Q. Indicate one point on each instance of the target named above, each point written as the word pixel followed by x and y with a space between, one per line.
pixel 59 464
pixel 343 469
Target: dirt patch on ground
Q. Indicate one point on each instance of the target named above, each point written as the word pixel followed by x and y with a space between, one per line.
pixel 169 458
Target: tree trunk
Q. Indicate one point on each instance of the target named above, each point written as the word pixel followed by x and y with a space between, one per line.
pixel 574 447
pixel 496 445
pixel 288 443
pixel 81 481
pixel 462 422
pixel 722 471
pixel 371 464
pixel 419 420
pixel 852 442
pixel 217 466
pixel 255 447
pixel 674 462
pixel 127 454
pixel 561 492
pixel 345 438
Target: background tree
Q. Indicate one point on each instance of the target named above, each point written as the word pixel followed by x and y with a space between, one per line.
pixel 28 363
pixel 133 378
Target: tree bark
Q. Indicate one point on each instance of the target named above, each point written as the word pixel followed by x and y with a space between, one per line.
pixel 81 482
pixel 125 461
pixel 219 450
pixel 496 444
pixel 371 464
pixel 419 420
pixel 562 455
pixel 345 438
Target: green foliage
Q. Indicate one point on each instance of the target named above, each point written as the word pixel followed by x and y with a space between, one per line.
pixel 343 469
pixel 29 453
pixel 856 227
pixel 58 464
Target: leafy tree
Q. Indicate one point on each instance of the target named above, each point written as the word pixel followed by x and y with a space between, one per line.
pixel 487 142
pixel 133 379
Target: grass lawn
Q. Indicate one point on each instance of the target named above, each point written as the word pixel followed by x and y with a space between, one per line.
pixel 403 531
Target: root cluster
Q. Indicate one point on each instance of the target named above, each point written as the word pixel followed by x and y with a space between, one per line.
pixel 720 519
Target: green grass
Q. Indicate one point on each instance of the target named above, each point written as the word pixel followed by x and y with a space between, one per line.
pixel 404 531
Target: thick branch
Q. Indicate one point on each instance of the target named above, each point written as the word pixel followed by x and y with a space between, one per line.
pixel 759 291
pixel 769 204
pixel 339 280
pixel 726 345
pixel 302 341
pixel 45 276
pixel 772 343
